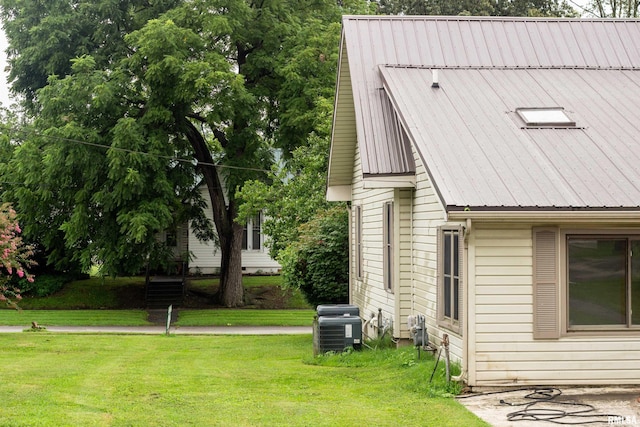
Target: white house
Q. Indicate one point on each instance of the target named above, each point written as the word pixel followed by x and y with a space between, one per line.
pixel 492 166
pixel 205 257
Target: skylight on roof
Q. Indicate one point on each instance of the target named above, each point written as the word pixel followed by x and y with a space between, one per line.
pixel 553 117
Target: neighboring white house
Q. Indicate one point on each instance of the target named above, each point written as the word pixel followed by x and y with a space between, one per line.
pixel 492 166
pixel 205 256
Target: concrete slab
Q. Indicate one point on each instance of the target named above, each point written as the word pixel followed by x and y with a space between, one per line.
pixel 547 406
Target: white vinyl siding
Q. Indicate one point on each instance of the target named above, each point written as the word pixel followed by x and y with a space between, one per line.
pixel 206 257
pixel 368 293
pixel 504 349
pixel 418 213
pixel 427 215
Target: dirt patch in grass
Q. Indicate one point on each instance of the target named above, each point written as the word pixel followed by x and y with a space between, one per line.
pixel 260 297
pixel 130 297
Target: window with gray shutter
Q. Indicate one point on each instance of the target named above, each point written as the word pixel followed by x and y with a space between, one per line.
pixel 546 317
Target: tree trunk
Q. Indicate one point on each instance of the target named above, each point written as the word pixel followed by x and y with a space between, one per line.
pixel 231 292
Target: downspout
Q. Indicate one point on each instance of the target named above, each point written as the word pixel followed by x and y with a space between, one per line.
pixel 465 302
pixel 411 276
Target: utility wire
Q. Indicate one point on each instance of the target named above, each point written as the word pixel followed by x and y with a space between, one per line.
pixel 130 151
pixel 584 9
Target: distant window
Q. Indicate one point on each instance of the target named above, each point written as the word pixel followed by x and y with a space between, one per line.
pixel 545 117
pixel 252 234
pixel 172 238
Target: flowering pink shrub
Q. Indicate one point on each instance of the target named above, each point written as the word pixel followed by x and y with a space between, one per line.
pixel 14 255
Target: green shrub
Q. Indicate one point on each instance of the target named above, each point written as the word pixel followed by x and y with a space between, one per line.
pixel 44 285
pixel 318 262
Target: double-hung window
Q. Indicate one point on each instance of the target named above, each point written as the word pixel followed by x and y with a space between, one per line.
pixel 450 278
pixel 252 234
pixel 387 245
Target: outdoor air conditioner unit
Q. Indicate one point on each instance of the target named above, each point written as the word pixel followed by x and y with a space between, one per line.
pixel 336 328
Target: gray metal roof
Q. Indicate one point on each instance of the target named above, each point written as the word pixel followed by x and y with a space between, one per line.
pixel 479 153
pixel 467 132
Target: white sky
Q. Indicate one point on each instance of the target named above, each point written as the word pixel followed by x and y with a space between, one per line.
pixel 4 89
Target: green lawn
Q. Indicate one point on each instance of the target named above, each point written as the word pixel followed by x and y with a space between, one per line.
pixel 92 294
pixel 211 317
pixel 245 317
pixel 74 317
pixel 106 380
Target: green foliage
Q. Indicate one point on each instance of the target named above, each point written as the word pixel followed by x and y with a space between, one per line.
pixel 43 285
pixel 125 95
pixel 294 196
pixel 317 263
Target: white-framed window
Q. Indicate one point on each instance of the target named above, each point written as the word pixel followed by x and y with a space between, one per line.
pixel 357 213
pixel 252 234
pixel 387 245
pixel 450 254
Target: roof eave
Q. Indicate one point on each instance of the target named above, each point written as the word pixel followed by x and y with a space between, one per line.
pixel 555 216
pixel 343 138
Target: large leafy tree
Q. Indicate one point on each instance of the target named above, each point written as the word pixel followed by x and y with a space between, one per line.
pixel 135 110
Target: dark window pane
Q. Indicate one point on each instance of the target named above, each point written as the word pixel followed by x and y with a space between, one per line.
pixel 256 226
pixel 447 253
pixel 447 296
pixel 456 284
pixel 244 237
pixel 455 254
pixel 597 274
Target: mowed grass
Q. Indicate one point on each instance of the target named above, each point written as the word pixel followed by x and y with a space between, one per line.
pixel 92 294
pixel 245 317
pixel 211 317
pixel 107 380
pixel 74 318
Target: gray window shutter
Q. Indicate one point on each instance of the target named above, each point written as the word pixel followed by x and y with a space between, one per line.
pixel 461 268
pixel 546 315
pixel 439 281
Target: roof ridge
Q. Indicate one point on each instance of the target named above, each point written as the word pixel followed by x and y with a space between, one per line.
pixel 512 67
pixel 481 18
